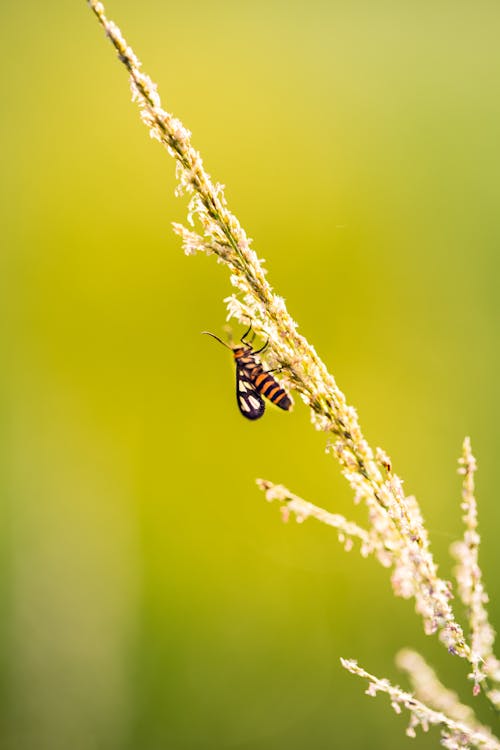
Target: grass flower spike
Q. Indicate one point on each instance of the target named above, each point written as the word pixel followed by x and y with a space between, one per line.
pixel 456 735
pixel 469 579
pixel 395 532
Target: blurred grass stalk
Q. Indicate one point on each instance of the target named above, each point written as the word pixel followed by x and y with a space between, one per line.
pixel 396 533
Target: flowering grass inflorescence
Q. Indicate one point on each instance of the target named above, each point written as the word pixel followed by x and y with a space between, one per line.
pixel 455 734
pixel 396 533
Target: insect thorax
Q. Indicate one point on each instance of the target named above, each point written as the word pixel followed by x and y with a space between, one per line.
pixel 244 357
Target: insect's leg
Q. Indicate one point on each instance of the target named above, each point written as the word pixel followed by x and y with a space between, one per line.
pixel 246 333
pixel 262 348
pixel 278 369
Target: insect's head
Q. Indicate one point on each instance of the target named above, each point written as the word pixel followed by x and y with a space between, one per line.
pixel 240 351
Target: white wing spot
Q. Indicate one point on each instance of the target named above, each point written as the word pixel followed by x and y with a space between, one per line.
pixel 254 402
pixel 242 386
pixel 243 405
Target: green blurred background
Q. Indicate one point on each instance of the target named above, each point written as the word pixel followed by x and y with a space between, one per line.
pixel 150 598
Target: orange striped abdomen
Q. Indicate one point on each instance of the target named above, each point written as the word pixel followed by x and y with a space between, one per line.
pixel 269 387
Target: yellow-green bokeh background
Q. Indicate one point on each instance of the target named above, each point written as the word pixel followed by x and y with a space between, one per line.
pixel 150 598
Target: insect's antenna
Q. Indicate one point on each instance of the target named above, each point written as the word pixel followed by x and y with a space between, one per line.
pixel 207 333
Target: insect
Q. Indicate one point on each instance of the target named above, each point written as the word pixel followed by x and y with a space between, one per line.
pixel 252 381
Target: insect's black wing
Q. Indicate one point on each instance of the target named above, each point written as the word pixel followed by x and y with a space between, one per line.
pixel 249 400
